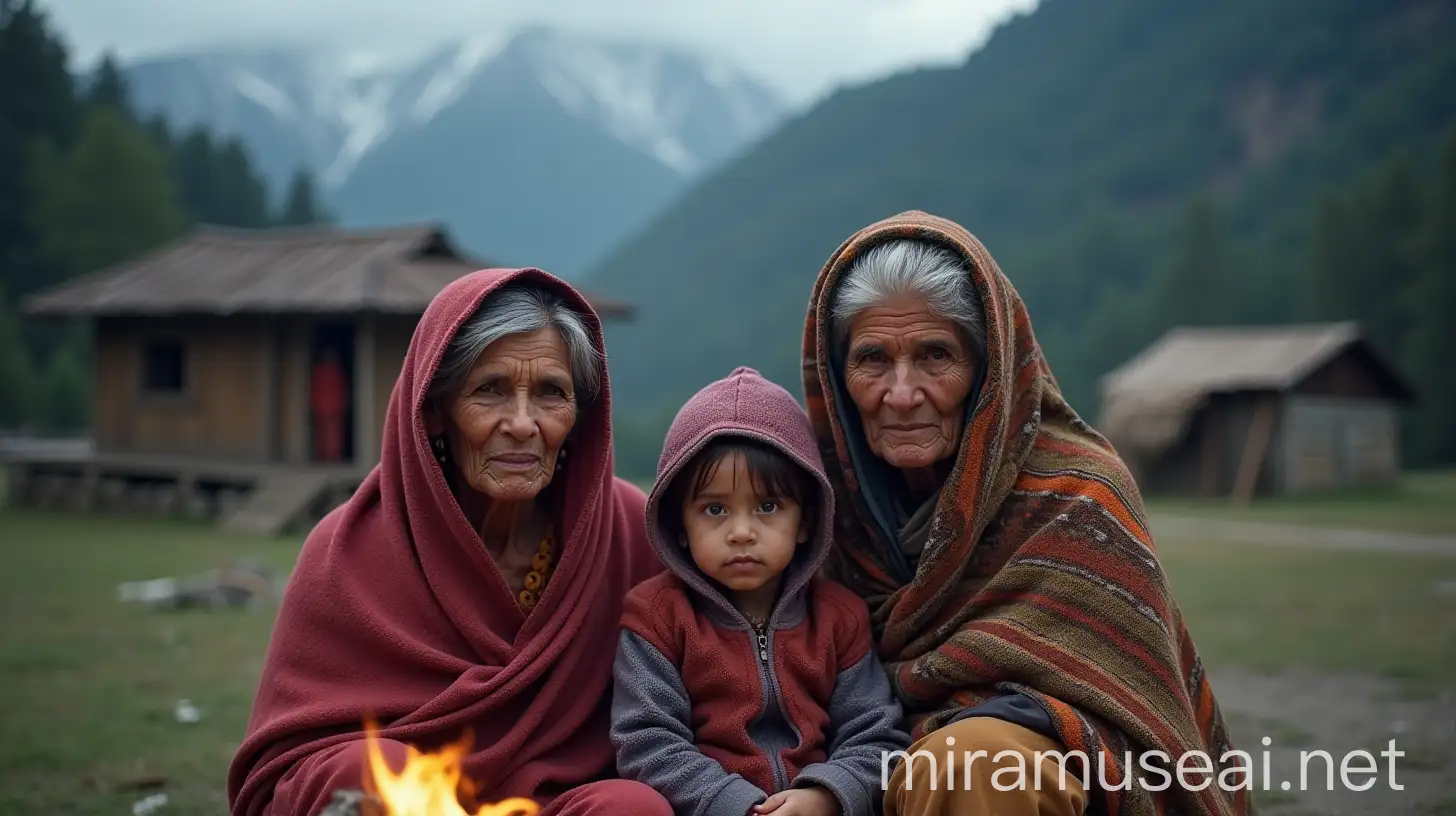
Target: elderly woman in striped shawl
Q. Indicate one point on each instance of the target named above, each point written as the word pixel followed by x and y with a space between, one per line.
pixel 1016 596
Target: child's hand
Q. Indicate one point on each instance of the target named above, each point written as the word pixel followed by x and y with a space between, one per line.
pixel 810 801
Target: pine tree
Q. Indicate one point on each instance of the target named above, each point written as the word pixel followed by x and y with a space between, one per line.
pixel 1193 283
pixel 1392 214
pixel 1098 271
pixel 161 135
pixel 44 104
pixel 301 207
pixel 191 162
pixel 1102 257
pixel 1111 255
pixel 1321 292
pixel 111 199
pixel 64 395
pixel 244 201
pixel 216 182
pixel 108 89
pixel 37 104
pixel 1431 341
pixel 17 376
pixel 1359 265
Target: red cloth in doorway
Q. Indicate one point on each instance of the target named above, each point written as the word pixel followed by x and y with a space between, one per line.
pixel 329 402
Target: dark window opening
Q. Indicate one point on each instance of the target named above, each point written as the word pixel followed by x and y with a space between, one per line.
pixel 164 368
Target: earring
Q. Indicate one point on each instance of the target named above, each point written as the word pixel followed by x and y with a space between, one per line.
pixel 561 456
pixel 438 444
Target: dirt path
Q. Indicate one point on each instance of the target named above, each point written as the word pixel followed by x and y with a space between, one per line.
pixel 1291 535
pixel 1306 712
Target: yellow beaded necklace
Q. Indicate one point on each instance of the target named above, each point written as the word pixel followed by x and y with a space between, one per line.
pixel 542 565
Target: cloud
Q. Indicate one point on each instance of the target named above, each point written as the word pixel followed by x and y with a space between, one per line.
pixel 804 47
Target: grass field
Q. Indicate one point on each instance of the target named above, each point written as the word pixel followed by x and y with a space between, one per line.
pixel 91 683
pixel 1419 503
pixel 1268 609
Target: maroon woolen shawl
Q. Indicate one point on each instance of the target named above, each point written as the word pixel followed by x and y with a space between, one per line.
pixel 396 611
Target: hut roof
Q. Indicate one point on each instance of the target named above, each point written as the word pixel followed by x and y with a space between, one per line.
pixel 219 270
pixel 1148 402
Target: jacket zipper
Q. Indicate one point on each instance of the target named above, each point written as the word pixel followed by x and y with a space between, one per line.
pixel 761 644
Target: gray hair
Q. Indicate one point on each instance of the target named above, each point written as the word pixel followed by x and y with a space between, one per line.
pixel 909 267
pixel 519 309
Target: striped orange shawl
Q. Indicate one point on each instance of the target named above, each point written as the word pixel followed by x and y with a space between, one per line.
pixel 1039 575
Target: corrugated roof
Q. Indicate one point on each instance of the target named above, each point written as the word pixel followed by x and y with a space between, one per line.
pixel 218 270
pixel 1148 402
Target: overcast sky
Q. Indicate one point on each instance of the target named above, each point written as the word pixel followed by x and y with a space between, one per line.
pixel 802 46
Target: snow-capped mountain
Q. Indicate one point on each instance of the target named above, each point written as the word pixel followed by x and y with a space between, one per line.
pixel 586 137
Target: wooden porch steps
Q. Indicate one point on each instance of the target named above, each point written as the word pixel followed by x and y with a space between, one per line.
pixel 278 499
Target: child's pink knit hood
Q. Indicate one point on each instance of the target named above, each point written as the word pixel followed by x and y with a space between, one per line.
pixel 741 404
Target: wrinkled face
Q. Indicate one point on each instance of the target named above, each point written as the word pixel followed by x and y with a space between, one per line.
pixel 909 372
pixel 738 537
pixel 507 425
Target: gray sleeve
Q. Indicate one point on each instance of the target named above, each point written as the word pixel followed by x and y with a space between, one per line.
pixel 650 716
pixel 864 727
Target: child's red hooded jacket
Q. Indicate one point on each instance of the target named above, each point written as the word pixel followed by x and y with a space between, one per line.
pixel 710 712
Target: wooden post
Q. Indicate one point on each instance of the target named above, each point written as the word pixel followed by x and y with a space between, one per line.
pixel 18 485
pixel 296 352
pixel 268 392
pixel 1256 445
pixel 88 489
pixel 366 426
pixel 1210 472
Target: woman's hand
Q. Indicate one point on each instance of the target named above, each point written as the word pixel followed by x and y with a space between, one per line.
pixel 810 801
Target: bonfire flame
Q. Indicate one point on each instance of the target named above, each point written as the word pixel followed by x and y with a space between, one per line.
pixel 430 784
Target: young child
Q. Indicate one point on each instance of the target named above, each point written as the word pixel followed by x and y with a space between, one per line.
pixel 745 683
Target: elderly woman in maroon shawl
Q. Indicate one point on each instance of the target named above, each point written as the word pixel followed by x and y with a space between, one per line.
pixel 473 584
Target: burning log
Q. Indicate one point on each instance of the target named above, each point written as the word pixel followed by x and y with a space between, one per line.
pixel 429 784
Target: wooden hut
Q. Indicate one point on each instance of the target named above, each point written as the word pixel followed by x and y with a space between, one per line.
pixel 206 356
pixel 1244 411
